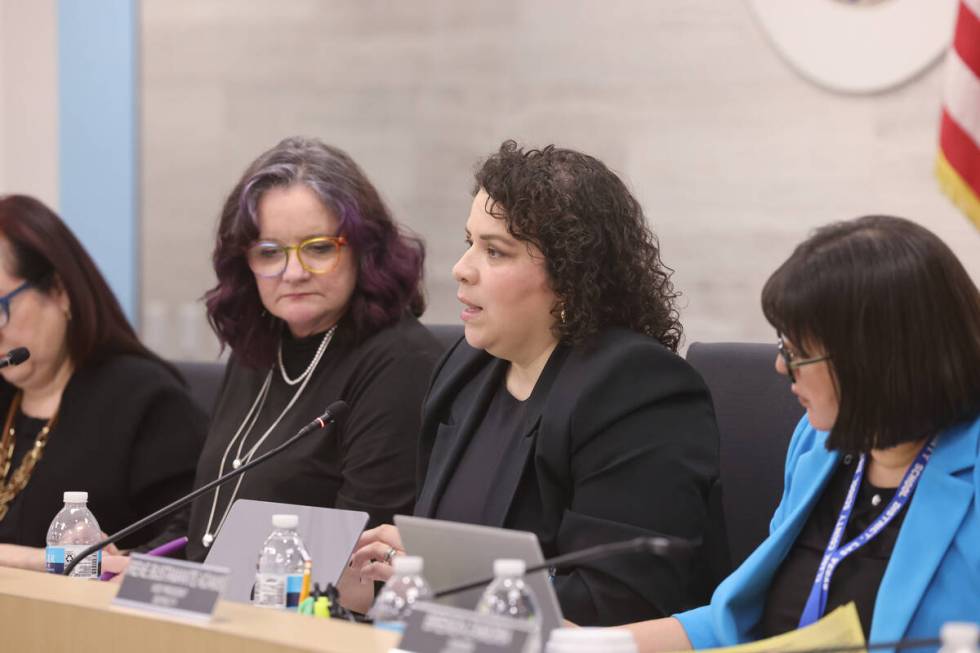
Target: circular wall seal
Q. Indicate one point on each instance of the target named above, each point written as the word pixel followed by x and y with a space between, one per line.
pixel 858 46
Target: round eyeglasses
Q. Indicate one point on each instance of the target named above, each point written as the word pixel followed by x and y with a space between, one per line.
pixel 5 302
pixel 318 255
pixel 792 362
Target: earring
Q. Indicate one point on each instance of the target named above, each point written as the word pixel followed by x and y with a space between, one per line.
pixel 561 316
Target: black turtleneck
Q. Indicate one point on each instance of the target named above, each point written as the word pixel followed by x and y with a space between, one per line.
pixel 367 465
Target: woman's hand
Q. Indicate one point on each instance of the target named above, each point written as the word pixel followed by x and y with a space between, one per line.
pixel 110 549
pixel 374 551
pixel 115 564
pixel 24 557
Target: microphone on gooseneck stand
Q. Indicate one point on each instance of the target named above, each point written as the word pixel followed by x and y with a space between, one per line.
pixel 14 357
pixel 335 414
pixel 661 546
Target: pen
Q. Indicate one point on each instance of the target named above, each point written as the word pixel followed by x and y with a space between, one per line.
pixel 163 550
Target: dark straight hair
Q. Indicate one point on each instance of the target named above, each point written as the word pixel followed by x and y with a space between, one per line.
pixel 46 253
pixel 900 319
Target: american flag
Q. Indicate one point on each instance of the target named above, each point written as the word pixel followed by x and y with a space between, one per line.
pixel 958 161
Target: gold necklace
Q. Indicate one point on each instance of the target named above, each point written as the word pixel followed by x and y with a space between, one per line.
pixel 18 480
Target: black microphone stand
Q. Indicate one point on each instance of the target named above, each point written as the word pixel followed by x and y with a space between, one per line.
pixel 334 412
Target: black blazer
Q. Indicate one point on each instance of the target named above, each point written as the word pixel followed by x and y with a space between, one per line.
pixel 621 441
pixel 127 433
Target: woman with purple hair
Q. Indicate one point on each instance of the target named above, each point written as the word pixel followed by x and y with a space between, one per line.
pixel 317 297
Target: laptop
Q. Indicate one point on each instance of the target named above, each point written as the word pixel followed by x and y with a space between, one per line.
pixel 329 535
pixel 456 554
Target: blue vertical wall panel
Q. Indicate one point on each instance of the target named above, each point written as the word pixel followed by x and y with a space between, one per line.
pixel 98 136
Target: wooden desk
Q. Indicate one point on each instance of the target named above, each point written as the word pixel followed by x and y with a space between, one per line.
pixel 44 612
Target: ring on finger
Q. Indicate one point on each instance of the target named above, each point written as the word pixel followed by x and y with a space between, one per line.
pixel 389 555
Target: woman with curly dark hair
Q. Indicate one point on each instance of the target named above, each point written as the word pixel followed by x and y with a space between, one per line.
pixel 566 410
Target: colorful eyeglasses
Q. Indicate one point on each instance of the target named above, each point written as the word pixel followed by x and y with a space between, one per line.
pixel 318 255
pixel 792 363
pixel 5 302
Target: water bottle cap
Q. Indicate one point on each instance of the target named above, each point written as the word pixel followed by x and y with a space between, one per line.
pixel 285 521
pixel 76 497
pixel 959 634
pixel 509 567
pixel 407 565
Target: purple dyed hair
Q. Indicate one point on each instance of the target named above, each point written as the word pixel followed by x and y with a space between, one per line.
pixel 389 261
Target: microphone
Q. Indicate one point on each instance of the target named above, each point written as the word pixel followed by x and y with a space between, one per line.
pixel 661 546
pixel 14 357
pixel 335 414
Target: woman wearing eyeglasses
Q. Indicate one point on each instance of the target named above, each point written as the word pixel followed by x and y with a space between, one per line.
pixel 317 297
pixel 91 409
pixel 880 341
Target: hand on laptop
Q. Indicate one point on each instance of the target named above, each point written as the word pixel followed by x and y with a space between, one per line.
pixel 374 551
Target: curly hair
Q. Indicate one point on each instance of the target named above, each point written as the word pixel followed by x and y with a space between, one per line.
pixel 603 261
pixel 390 261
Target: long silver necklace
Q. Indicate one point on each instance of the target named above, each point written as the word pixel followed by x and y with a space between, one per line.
pixel 251 417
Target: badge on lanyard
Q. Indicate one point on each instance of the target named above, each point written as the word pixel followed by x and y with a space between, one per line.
pixel 816 603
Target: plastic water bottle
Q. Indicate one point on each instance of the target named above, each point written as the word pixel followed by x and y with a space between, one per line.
pixel 403 589
pixel 72 530
pixel 279 573
pixel 509 596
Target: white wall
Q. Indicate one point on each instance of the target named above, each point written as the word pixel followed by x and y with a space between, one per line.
pixel 29 99
pixel 734 156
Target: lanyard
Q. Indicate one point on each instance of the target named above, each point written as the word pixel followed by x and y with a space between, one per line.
pixel 816 603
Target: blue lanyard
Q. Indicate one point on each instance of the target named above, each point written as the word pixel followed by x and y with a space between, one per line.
pixel 816 603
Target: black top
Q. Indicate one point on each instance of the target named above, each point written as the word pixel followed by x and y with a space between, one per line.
pixel 619 441
pixel 127 433
pixel 500 430
pixel 366 465
pixel 856 578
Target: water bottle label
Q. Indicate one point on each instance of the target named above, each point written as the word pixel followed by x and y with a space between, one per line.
pixel 56 558
pixel 294 585
pixel 270 590
pixel 391 626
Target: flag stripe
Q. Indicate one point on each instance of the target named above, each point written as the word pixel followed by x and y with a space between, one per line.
pixel 961 152
pixel 962 96
pixel 966 41
pixel 961 194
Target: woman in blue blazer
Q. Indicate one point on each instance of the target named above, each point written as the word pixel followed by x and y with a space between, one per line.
pixel 880 339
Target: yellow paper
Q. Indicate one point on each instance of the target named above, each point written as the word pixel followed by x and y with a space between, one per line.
pixel 841 628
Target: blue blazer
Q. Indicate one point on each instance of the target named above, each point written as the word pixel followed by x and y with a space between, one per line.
pixel 933 575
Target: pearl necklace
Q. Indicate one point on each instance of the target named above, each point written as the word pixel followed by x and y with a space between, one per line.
pixel 251 417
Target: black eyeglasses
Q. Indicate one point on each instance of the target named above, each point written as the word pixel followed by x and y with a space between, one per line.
pixel 791 362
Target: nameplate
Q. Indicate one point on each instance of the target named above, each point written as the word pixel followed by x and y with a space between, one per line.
pixel 434 627
pixel 174 587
